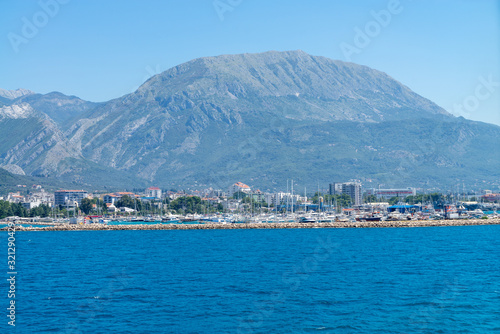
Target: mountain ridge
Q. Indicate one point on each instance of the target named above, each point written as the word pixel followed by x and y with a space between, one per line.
pixel 14 94
pixel 214 120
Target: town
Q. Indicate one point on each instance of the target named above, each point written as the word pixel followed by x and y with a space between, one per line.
pixel 344 201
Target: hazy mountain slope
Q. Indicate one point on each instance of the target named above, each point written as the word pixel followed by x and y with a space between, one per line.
pixel 9 183
pixel 62 109
pixel 426 154
pixel 32 143
pixel 31 140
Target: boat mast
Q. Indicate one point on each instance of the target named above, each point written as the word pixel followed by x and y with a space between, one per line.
pixel 287 197
pixel 319 201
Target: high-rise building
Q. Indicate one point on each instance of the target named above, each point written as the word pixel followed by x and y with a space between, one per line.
pixel 69 197
pixel 335 188
pixel 353 189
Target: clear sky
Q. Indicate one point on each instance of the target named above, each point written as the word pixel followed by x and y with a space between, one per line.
pixel 447 50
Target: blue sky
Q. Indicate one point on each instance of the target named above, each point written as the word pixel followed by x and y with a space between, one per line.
pixel 447 50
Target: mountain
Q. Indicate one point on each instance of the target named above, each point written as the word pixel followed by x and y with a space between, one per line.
pixel 14 94
pixel 34 124
pixel 34 142
pixel 258 118
pixel 60 108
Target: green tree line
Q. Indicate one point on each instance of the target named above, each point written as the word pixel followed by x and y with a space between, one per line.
pixel 438 200
pixel 181 205
pixel 193 204
pixel 8 209
pixel 340 200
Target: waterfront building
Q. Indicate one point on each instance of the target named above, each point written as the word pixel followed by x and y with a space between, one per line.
pixel 69 197
pixel 15 197
pixel 258 196
pixel 237 187
pixel 30 205
pixel 211 200
pixel 335 188
pixel 231 205
pixel 175 195
pixel 126 210
pixel 389 193
pixel 110 198
pixel 42 196
pixel 115 197
pixel 353 189
pixel 282 198
pixel 153 192
pixel 491 197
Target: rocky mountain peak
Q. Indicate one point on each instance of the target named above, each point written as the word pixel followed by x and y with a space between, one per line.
pixel 14 94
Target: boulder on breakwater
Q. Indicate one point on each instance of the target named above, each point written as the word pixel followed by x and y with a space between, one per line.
pixel 214 226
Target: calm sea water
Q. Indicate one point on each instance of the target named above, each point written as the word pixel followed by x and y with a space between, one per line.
pixel 418 280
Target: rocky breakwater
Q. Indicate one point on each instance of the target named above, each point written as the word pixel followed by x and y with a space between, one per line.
pixel 214 226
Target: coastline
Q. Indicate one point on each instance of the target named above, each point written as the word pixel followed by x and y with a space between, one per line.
pixel 218 226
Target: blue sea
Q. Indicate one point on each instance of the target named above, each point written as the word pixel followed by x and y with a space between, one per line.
pixel 407 280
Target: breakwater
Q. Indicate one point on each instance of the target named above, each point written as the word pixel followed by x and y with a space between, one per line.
pixel 215 226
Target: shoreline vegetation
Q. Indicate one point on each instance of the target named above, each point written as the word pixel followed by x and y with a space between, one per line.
pixel 290 225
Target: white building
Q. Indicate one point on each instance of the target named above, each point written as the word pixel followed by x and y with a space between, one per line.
pixel 43 197
pixel 115 197
pixel 282 198
pixel 389 193
pixel 238 186
pixel 15 198
pixel 126 210
pixel 70 198
pixel 231 205
pixel 153 192
pixel 110 198
pixel 31 205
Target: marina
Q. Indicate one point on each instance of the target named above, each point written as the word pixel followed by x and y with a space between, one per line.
pixel 362 216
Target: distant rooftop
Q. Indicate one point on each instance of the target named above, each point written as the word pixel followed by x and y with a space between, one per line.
pixel 73 191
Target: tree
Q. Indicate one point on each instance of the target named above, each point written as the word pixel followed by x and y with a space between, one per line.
pixel 125 201
pixel 188 204
pixel 239 195
pixel 86 205
pixel 40 211
pixel 394 200
pixel 343 200
pixel 19 210
pixel 5 210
